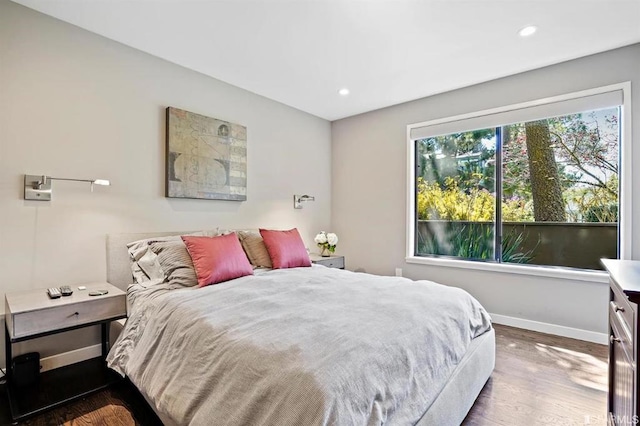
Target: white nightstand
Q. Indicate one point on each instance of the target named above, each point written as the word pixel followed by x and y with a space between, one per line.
pixel 329 261
pixel 30 314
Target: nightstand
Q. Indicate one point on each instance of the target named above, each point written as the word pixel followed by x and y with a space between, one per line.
pixel 30 314
pixel 328 261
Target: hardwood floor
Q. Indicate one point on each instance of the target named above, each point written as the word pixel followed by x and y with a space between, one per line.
pixel 542 379
pixel 119 405
pixel 539 379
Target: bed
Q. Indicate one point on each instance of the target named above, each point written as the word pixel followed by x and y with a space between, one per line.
pixel 302 346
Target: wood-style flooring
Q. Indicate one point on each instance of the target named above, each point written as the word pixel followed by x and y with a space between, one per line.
pixel 539 379
pixel 119 405
pixel 542 379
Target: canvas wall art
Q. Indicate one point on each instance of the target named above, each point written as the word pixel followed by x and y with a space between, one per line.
pixel 206 157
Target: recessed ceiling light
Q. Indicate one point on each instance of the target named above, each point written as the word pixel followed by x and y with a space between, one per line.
pixel 527 31
pixel 343 92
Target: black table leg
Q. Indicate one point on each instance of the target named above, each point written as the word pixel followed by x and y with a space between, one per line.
pixel 60 385
pixel 9 372
pixel 105 339
pixel 7 354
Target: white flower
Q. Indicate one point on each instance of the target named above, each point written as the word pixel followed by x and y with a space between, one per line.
pixel 321 238
pixel 332 239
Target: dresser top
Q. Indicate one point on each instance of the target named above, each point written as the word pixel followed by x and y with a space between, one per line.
pixel 36 299
pixel 626 273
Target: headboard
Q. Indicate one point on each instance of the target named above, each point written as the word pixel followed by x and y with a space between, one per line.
pixel 118 268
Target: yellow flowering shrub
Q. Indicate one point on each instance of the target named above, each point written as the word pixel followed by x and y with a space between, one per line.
pixel 517 210
pixel 474 205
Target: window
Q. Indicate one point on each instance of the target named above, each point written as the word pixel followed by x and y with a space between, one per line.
pixel 535 184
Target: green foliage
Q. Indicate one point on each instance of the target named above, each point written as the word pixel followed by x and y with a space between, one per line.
pixel 516 181
pixel 474 205
pixel 594 204
pixel 456 172
pixel 586 152
pixel 473 241
pixel 455 197
pixel 463 156
pixel 451 203
pixel 511 243
pixel 467 240
pixel 517 209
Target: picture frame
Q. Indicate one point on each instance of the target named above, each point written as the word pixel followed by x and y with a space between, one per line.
pixel 206 158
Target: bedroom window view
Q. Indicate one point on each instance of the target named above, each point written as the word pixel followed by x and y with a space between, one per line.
pixel 556 179
pixel 456 190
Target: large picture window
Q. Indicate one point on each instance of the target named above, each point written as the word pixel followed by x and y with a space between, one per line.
pixel 536 185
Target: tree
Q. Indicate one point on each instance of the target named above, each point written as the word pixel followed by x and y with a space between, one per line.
pixel 516 183
pixel 571 160
pixel 462 156
pixel 590 146
pixel 586 153
pixel 548 205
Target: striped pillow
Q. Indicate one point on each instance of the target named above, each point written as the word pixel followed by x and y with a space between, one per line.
pixel 144 261
pixel 253 245
pixel 175 262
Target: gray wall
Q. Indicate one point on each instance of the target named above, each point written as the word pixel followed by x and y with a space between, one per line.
pixel 369 190
pixel 74 104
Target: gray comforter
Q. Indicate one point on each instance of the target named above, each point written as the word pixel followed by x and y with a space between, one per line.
pixel 303 346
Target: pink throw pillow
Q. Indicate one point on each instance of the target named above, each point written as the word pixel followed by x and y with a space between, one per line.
pixel 285 248
pixel 217 259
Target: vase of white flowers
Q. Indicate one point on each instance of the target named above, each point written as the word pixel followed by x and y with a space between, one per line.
pixel 327 241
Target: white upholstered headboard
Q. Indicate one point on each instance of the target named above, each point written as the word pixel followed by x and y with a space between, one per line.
pixel 118 268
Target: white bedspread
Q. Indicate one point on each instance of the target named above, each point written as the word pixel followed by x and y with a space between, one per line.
pixel 304 346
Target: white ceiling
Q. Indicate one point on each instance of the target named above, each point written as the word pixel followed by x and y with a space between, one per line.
pixel 385 51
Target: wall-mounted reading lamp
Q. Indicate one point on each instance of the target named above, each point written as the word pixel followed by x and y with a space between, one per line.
pixel 38 187
pixel 299 199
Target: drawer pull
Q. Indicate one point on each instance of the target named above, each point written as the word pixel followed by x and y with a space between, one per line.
pixel 618 308
pixel 614 339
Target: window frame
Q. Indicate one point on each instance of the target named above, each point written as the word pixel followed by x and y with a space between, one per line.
pixel 625 194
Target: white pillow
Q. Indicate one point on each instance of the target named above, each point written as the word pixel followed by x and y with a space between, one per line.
pixel 144 262
pixel 150 267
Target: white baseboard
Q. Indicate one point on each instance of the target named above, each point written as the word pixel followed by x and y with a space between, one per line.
pixel 558 330
pixel 71 357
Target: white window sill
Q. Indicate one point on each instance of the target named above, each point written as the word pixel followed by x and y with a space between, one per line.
pixel 537 271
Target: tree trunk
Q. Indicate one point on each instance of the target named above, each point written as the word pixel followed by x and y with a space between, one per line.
pixel 545 183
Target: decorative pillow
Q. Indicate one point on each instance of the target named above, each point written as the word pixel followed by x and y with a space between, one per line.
pixel 175 261
pixel 144 263
pixel 217 259
pixel 285 248
pixel 253 245
pixel 149 264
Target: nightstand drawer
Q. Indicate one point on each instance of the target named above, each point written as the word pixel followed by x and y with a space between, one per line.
pixel 30 314
pixel 331 262
pixel 68 315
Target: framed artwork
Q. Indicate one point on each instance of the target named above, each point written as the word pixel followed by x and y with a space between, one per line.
pixel 206 157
